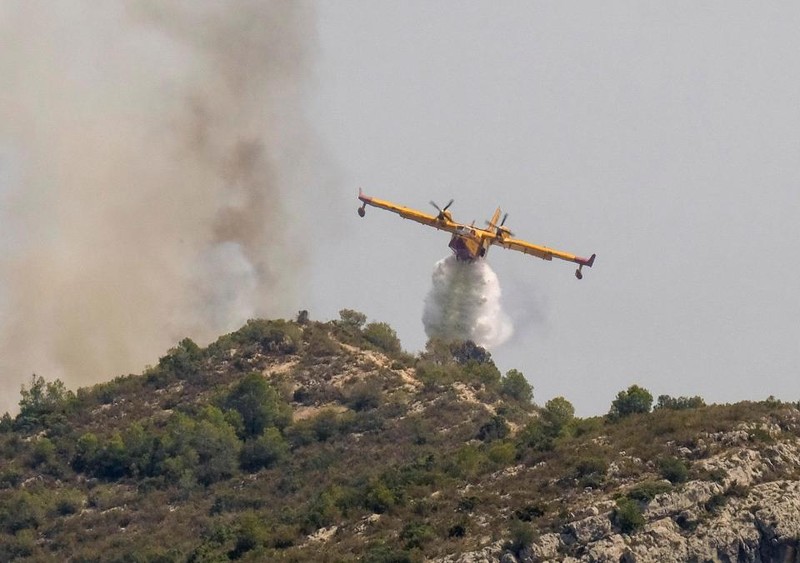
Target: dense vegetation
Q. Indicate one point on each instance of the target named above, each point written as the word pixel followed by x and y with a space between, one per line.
pixel 300 440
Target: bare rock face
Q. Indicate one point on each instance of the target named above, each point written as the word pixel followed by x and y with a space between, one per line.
pixel 492 553
pixel 589 529
pixel 690 496
pixel 546 549
pixel 777 518
pixel 762 527
pixel 743 505
pixel 741 517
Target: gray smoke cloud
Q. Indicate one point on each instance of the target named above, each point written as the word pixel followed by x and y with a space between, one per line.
pixel 147 149
pixel 464 303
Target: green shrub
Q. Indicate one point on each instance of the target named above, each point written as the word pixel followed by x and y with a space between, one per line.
pixel 435 376
pixel 251 534
pixel 10 477
pixel 515 386
pixel 632 401
pixel 715 502
pixel 468 504
pixel 590 466
pixel 364 395
pixel 276 336
pixel 628 516
pixel 352 319
pixel 485 373
pixel 379 497
pixel 536 436
pixel 6 423
pixel 648 490
pixel 143 449
pixel 111 461
pixel 68 502
pixel 587 426
pixel 467 351
pixel 718 475
pixel 20 545
pixel 530 511
pixel 457 531
pixel 44 453
pixel 85 453
pixel 264 451
pixel 319 344
pixel 20 510
pixel 495 429
pixel 761 435
pixel 502 453
pixel 679 403
pixel 183 361
pixel 326 425
pixel 417 534
pixel 40 402
pixel 216 446
pixel 282 536
pixel 300 434
pixel 558 415
pixel 202 449
pixel 591 472
pixel 673 469
pixel 379 552
pixel 686 523
pixel 259 404
pixel 323 510
pixel 235 501
pixel 468 462
pixel 521 536
pixel 383 336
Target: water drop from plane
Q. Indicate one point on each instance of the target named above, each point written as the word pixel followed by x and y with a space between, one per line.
pixel 464 303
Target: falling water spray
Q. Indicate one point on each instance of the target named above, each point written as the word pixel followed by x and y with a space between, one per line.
pixel 464 304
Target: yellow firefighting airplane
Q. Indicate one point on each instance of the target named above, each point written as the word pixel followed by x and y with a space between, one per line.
pixel 470 242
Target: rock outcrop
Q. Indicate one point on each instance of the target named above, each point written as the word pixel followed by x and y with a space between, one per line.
pixel 737 519
pixel 747 510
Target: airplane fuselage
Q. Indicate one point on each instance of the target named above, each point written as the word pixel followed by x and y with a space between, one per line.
pixel 464 248
pixel 468 246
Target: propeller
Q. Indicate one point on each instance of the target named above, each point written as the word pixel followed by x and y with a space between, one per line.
pixel 499 228
pixel 442 209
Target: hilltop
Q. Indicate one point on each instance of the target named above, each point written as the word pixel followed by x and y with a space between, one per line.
pixel 310 441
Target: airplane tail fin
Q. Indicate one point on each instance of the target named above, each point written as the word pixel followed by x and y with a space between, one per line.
pixel 493 222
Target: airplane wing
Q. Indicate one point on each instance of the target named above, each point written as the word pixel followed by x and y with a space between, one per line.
pixel 543 252
pixel 440 221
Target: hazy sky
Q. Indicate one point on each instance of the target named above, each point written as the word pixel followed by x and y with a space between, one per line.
pixel 663 136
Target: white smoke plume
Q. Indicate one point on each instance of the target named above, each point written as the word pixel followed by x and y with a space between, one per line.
pixel 464 304
pixel 147 148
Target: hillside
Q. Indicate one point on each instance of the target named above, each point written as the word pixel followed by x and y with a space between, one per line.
pixel 308 441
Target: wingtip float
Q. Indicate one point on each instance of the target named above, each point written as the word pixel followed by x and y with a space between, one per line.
pixel 469 242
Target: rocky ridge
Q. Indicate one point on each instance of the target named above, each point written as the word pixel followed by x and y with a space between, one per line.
pixel 749 513
pixel 366 453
